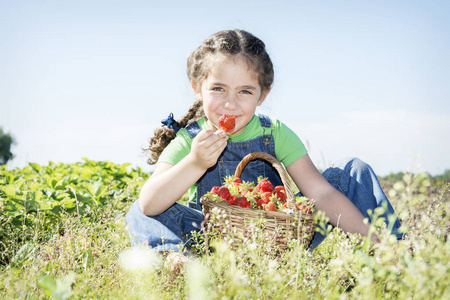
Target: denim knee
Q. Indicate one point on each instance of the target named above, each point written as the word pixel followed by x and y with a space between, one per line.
pixel 166 231
pixel 357 180
pixel 352 163
pixel 355 167
pixel 359 166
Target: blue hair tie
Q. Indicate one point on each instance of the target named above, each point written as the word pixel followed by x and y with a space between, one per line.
pixel 171 123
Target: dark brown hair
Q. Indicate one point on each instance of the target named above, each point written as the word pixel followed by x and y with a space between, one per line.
pixel 230 43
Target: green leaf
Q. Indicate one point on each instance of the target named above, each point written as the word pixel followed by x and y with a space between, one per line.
pixel 102 190
pixel 10 191
pixel 59 290
pixel 47 284
pixel 36 167
pixel 64 286
pixel 33 186
pixel 90 187
pixel 10 178
pixel 24 255
pixel 31 206
pixel 68 202
pixel 46 206
pixel 36 196
pixel 87 259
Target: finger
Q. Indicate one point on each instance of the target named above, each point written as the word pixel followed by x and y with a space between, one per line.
pixel 207 140
pixel 204 134
pixel 219 141
pixel 218 146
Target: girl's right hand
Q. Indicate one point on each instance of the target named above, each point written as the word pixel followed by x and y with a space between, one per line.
pixel 169 182
pixel 207 147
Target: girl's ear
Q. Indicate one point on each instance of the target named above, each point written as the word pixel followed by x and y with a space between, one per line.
pixel 197 91
pixel 263 97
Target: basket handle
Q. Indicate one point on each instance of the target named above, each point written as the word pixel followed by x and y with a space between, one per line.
pixel 277 165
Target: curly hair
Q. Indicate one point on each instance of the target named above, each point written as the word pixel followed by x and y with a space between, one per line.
pixel 229 43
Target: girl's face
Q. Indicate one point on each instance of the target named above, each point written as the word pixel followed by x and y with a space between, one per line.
pixel 231 88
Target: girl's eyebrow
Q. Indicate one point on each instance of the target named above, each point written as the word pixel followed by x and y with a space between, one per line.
pixel 246 87
pixel 218 83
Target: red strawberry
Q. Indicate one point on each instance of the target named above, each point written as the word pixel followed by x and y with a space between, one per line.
pixel 242 202
pixel 280 188
pixel 245 192
pixel 264 185
pixel 224 192
pixel 304 208
pixel 227 122
pixel 231 199
pixel 265 197
pixel 237 181
pixel 215 190
pixel 259 203
pixel 281 196
pixel 271 206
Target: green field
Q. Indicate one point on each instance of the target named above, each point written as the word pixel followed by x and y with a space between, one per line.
pixel 63 235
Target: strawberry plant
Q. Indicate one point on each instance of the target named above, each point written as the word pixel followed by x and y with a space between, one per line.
pixel 45 194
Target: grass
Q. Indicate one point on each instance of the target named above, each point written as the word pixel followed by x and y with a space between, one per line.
pixel 89 257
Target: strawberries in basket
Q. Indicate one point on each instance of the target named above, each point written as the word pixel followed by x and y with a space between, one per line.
pixel 263 196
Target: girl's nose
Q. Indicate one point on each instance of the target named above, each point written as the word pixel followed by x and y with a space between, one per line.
pixel 231 102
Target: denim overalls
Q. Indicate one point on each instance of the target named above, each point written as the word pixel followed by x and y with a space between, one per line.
pixel 171 229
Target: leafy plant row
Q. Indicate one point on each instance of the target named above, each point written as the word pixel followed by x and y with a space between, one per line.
pixel 41 196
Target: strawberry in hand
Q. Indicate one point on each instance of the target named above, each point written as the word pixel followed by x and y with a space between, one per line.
pixel 227 122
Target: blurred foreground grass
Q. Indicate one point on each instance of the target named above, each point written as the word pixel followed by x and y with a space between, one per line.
pixel 63 235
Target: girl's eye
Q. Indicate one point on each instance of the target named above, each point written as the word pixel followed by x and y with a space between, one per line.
pixel 217 89
pixel 247 92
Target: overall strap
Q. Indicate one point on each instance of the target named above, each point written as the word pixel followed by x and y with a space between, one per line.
pixel 266 123
pixel 193 129
pixel 264 120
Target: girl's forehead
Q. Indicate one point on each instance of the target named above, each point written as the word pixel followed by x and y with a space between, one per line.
pixel 219 61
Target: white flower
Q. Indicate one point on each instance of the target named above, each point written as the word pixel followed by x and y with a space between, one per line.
pixel 199 281
pixel 252 246
pixel 140 258
pixel 273 265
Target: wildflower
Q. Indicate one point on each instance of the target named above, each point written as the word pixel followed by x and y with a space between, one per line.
pixel 141 258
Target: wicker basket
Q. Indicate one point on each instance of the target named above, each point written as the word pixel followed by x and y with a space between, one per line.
pixel 279 227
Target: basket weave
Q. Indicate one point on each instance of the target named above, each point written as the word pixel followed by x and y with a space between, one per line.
pixel 280 227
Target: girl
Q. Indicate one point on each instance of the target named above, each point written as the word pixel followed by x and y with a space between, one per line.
pixel 231 73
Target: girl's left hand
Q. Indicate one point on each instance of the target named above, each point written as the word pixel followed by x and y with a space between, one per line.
pixel 337 207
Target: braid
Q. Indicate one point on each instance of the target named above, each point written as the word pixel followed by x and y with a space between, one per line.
pixel 162 136
pixel 195 112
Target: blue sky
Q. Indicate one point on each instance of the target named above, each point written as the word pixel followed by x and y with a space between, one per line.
pixel 352 78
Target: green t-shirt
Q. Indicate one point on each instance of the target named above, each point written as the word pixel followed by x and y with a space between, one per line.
pixel 288 146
